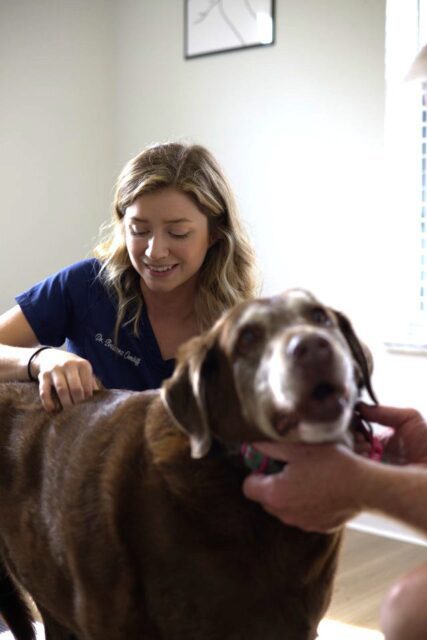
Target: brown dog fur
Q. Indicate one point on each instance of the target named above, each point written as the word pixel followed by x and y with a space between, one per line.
pixel 117 532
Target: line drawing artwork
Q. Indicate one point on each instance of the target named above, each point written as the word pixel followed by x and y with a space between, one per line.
pixel 220 4
pixel 221 25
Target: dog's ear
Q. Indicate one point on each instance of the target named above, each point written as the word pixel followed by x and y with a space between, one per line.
pixel 184 393
pixel 361 353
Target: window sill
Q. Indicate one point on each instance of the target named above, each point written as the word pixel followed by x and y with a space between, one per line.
pixel 405 348
pixel 410 339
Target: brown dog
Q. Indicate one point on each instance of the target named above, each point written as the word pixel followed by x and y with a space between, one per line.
pixel 124 517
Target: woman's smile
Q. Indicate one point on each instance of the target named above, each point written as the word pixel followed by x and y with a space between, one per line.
pixel 160 271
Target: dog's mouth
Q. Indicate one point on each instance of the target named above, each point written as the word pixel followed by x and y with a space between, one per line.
pixel 285 422
pixel 324 403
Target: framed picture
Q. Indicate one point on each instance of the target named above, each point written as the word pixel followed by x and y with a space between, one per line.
pixel 216 26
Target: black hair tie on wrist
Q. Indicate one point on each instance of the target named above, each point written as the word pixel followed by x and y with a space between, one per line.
pixel 33 355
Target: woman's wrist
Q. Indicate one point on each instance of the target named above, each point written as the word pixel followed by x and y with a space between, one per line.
pixel 31 368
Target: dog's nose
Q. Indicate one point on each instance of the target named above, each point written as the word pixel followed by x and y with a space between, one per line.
pixel 310 350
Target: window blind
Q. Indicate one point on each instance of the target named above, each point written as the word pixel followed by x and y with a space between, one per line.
pixel 423 207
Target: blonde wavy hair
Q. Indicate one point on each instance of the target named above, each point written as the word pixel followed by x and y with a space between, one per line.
pixel 228 274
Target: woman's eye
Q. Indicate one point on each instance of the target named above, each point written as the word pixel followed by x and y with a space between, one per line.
pixel 320 316
pixel 179 235
pixel 138 232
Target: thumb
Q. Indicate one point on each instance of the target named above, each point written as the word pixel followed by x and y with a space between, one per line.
pixel 257 487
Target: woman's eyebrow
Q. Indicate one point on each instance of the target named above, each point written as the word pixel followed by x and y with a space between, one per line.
pixel 173 221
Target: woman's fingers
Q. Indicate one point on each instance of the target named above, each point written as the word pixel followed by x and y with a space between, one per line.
pixel 79 379
pixel 64 379
pixel 46 391
pixel 60 384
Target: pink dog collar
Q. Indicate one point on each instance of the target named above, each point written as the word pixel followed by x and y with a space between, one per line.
pixel 377 449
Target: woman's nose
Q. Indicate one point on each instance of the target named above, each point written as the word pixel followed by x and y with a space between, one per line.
pixel 156 248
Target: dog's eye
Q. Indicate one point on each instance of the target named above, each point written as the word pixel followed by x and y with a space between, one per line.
pixel 320 316
pixel 249 338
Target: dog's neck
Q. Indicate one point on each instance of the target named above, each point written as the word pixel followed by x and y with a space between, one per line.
pixel 246 457
pixel 253 460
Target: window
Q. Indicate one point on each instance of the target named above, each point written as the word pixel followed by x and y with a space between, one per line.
pixel 406 175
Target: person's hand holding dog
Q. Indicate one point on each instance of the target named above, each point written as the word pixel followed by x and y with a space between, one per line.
pixel 323 486
pixel 405 442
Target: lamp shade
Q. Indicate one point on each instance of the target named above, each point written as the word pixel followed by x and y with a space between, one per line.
pixel 418 69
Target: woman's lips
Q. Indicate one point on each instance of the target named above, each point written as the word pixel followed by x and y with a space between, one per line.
pixel 160 271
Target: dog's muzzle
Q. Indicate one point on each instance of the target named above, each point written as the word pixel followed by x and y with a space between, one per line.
pixel 321 376
pixel 312 380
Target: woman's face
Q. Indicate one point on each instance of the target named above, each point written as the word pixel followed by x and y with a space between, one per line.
pixel 167 238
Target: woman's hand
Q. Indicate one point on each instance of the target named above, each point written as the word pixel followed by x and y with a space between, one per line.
pixel 64 378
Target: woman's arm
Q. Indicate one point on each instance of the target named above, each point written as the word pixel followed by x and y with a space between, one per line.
pixel 17 345
pixel 68 374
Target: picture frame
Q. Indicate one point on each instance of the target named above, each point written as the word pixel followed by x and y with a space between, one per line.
pixel 219 26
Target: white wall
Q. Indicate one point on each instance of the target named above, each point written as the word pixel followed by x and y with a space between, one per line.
pixel 56 134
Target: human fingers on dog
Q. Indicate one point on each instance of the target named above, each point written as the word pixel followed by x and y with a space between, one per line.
pixel 53 390
pixel 308 492
pixel 72 382
pixel 393 417
pixel 276 497
pixel 407 439
pixel 64 378
pixel 88 381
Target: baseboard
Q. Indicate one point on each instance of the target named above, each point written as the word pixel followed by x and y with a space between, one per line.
pixel 382 526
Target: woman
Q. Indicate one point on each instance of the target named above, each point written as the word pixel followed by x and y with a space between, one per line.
pixel 175 256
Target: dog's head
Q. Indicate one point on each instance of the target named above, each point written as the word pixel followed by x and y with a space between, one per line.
pixel 280 368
